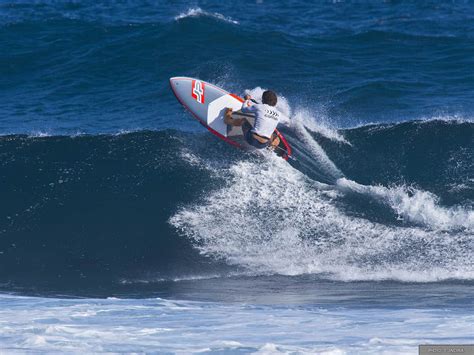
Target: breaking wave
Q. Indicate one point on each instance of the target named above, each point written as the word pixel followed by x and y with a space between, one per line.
pixel 354 205
pixel 197 12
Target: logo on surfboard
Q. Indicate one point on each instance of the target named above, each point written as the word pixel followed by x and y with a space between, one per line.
pixel 197 91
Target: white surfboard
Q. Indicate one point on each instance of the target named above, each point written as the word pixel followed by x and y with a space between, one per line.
pixel 207 103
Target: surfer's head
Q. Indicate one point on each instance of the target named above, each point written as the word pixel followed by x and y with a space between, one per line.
pixel 269 98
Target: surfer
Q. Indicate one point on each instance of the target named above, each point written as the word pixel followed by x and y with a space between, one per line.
pixel 261 135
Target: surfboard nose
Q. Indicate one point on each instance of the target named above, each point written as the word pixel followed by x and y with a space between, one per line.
pixel 178 78
pixel 173 86
pixel 174 82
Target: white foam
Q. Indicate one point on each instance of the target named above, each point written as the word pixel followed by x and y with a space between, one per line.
pixel 272 219
pixel 32 324
pixel 39 134
pixel 447 118
pixel 317 152
pixel 181 278
pixel 191 158
pixel 415 205
pixel 317 122
pixel 197 12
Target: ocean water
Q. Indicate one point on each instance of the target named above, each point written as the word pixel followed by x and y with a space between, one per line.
pixel 126 226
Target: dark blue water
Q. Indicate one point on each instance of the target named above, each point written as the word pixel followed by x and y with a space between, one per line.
pixel 93 68
pixel 108 188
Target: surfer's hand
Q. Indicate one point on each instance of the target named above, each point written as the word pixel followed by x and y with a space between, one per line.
pixel 247 97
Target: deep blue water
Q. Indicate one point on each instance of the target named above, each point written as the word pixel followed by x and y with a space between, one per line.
pixel 93 68
pixel 109 189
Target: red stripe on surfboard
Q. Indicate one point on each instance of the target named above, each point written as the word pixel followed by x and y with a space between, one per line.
pixel 285 142
pixel 237 97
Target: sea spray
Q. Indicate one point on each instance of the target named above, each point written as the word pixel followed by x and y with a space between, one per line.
pixel 288 225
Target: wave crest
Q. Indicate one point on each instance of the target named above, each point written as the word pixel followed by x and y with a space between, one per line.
pixel 414 205
pixel 198 12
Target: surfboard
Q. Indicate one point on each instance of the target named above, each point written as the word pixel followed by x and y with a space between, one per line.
pixel 207 103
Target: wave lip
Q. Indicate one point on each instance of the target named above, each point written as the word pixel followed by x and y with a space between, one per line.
pixel 198 12
pixel 415 205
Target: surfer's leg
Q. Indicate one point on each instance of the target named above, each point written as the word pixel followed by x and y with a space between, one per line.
pixel 250 139
pixel 275 141
pixel 228 120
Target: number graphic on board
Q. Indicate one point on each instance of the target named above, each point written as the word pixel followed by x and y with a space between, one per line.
pixel 198 91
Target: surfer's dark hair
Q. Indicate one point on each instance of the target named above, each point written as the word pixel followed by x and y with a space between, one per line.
pixel 269 98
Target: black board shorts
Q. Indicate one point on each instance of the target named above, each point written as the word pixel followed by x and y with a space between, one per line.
pixel 250 139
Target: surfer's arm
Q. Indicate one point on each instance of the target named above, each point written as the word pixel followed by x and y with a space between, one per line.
pixel 248 105
pixel 232 121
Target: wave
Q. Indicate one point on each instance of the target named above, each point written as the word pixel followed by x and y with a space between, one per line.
pixel 289 225
pixel 415 205
pixel 197 12
pixel 304 229
pixel 93 210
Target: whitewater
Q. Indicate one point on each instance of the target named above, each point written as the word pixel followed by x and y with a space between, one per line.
pixel 290 224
